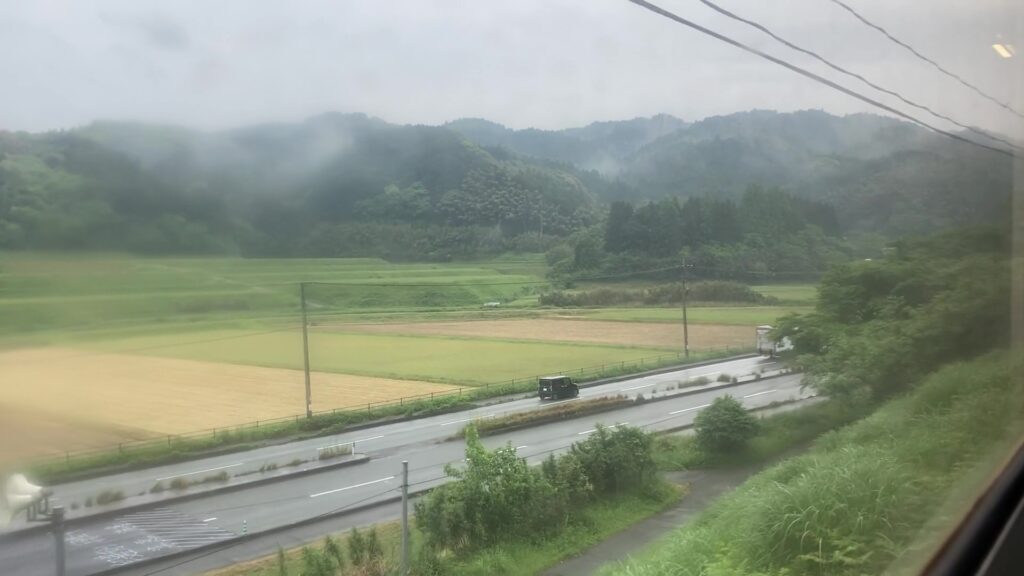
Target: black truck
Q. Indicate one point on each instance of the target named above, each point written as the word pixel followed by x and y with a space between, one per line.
pixel 550 387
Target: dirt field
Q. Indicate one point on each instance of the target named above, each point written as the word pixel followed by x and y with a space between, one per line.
pixel 702 336
pixel 66 399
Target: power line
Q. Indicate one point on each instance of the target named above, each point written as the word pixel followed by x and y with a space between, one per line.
pixel 850 73
pixel 808 74
pixel 937 66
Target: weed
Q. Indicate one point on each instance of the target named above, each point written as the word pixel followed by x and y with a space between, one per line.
pixel 109 497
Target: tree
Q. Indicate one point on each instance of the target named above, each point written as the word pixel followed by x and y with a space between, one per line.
pixel 724 426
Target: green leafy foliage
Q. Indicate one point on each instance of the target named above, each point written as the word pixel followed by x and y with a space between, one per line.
pixel 498 498
pixel 725 426
pixel 880 325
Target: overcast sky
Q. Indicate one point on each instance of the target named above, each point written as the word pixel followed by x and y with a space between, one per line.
pixel 525 63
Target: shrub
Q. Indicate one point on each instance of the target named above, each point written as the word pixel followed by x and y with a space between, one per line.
pixel 333 550
pixel 616 459
pixel 724 426
pixel 724 378
pixel 157 488
pixel 109 497
pixel 316 563
pixel 179 484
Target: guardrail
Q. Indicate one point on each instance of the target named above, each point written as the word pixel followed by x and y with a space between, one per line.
pixel 265 429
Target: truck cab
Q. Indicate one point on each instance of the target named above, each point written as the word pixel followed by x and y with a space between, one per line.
pixel 552 387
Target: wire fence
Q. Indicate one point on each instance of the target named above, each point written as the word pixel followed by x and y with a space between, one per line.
pixel 337 419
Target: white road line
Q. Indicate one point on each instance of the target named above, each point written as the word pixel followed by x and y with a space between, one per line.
pixel 689 409
pixel 457 421
pixel 200 471
pixel 595 429
pixel 759 393
pixel 638 387
pixel 520 447
pixel 366 439
pixel 351 487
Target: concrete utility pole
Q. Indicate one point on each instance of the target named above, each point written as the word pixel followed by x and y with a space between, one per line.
pixel 57 518
pixel 305 349
pixel 405 518
pixel 686 325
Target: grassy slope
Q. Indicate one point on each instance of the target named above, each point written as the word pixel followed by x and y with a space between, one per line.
pixel 858 500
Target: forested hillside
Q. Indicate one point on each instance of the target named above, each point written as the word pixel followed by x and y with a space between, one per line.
pixel 352 185
pixel 335 185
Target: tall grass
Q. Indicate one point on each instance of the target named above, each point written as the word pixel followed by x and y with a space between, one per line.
pixel 859 498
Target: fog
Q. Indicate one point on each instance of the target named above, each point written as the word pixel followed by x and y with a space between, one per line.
pixel 533 63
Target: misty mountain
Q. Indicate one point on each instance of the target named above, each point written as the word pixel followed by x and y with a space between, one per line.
pixel 881 174
pixel 600 146
pixel 349 184
pixel 276 189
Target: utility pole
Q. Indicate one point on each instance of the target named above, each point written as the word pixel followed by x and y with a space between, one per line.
pixel 686 325
pixel 405 518
pixel 305 348
pixel 57 518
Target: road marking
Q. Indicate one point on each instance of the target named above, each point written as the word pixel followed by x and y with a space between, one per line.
pixel 759 393
pixel 366 439
pixel 638 387
pixel 457 421
pixel 200 471
pixel 523 446
pixel 689 409
pixel 210 519
pixel 595 429
pixel 351 487
pixel 468 419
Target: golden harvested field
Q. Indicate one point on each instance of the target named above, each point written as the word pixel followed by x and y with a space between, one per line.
pixel 124 397
pixel 702 336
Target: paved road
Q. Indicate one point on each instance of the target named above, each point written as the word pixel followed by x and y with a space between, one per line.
pixel 102 544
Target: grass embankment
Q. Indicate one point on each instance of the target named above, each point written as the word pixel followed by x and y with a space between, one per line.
pixel 858 500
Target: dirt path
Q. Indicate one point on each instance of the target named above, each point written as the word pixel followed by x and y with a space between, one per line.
pixel 705 487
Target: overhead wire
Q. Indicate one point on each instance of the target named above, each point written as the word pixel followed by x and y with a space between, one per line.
pixel 915 52
pixel 852 74
pixel 813 76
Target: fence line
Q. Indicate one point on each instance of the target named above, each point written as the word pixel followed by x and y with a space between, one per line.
pixel 471 393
